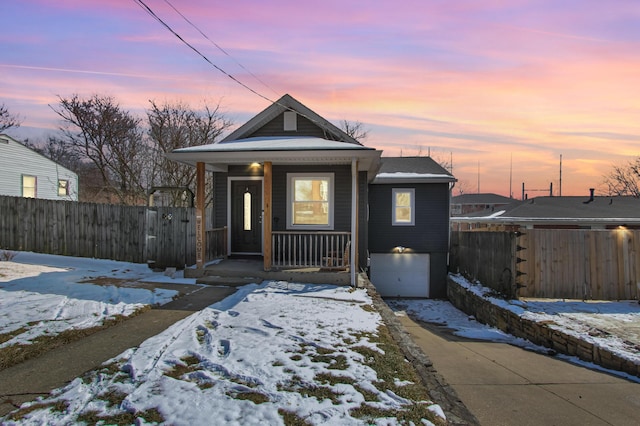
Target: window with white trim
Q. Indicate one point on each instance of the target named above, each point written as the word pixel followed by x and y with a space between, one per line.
pixel 29 186
pixel 403 206
pixel 63 187
pixel 310 200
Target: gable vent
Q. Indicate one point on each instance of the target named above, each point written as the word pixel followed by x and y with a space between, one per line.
pixel 290 121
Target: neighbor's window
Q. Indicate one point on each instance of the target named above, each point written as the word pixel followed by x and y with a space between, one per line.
pixel 63 187
pixel 29 186
pixel 403 202
pixel 310 200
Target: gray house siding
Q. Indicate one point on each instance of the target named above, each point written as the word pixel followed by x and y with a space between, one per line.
pixel 342 198
pixel 430 234
pixel 305 127
pixel 431 230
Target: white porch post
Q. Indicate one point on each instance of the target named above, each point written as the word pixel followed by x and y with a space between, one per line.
pixel 354 223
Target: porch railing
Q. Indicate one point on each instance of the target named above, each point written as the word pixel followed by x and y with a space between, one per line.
pixel 215 243
pixel 327 250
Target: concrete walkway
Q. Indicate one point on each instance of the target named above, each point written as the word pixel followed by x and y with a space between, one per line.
pixel 39 376
pixel 505 385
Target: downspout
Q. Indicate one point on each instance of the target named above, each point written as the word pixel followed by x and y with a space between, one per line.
pixel 354 220
pixel 451 186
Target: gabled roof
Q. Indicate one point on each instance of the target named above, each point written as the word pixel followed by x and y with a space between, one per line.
pixel 486 198
pixel 337 148
pixel 288 103
pixel 411 170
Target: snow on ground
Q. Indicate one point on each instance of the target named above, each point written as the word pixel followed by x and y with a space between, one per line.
pixel 266 352
pixel 615 325
pixel 263 351
pixel 44 294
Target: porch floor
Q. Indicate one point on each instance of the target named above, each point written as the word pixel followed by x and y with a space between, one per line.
pixel 240 271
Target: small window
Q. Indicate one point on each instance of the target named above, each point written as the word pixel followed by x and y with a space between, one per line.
pixel 310 201
pixel 29 186
pixel 403 202
pixel 63 187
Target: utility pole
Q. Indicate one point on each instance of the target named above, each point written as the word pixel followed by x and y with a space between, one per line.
pixel 560 189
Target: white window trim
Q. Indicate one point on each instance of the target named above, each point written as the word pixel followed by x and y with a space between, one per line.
pixel 35 186
pixel 290 178
pixel 394 191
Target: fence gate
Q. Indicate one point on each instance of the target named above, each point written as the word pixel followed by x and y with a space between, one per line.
pixel 170 237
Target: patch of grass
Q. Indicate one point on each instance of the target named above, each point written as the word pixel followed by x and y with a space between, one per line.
pixel 277 363
pixel 188 365
pixel 292 419
pixel 5 337
pixel 336 362
pixel 113 397
pixel 392 365
pixel 410 415
pixel 366 394
pixel 93 417
pixel 20 414
pixel 295 357
pixel 255 397
pixel 327 378
pixel 15 354
pixel 368 308
pixel 297 385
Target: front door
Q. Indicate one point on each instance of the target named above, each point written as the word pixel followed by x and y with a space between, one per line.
pixel 246 216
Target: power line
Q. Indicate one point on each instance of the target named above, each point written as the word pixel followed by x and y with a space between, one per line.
pixel 218 46
pixel 147 9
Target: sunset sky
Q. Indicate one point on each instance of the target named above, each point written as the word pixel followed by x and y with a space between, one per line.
pixel 494 85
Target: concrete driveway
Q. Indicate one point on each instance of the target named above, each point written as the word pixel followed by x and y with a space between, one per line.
pixel 506 385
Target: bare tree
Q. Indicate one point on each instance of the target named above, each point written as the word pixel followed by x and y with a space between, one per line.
pixel 355 129
pixel 177 125
pixel 624 179
pixel 99 130
pixel 8 120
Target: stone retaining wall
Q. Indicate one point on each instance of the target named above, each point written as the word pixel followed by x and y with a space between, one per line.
pixel 539 333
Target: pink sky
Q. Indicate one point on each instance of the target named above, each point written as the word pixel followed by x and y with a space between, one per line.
pixel 488 84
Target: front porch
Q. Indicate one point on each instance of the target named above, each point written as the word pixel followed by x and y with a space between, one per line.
pixel 243 270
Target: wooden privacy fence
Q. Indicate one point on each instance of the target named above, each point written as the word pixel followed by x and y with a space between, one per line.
pixel 162 236
pixel 552 263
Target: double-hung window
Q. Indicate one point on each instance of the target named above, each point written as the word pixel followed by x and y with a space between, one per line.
pixel 403 205
pixel 310 200
pixel 29 186
pixel 63 187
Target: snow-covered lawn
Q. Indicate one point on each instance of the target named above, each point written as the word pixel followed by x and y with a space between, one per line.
pixel 45 295
pixel 615 325
pixel 274 353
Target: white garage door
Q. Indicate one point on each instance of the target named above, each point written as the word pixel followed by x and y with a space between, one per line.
pixel 400 274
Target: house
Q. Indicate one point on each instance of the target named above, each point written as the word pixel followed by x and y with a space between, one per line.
pixel 566 212
pixel 469 203
pixel 26 173
pixel 291 187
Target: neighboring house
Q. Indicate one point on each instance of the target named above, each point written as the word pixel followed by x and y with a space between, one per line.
pixel 295 189
pixel 469 203
pixel 588 212
pixel 26 173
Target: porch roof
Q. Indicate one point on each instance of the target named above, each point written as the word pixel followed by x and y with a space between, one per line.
pixel 279 150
